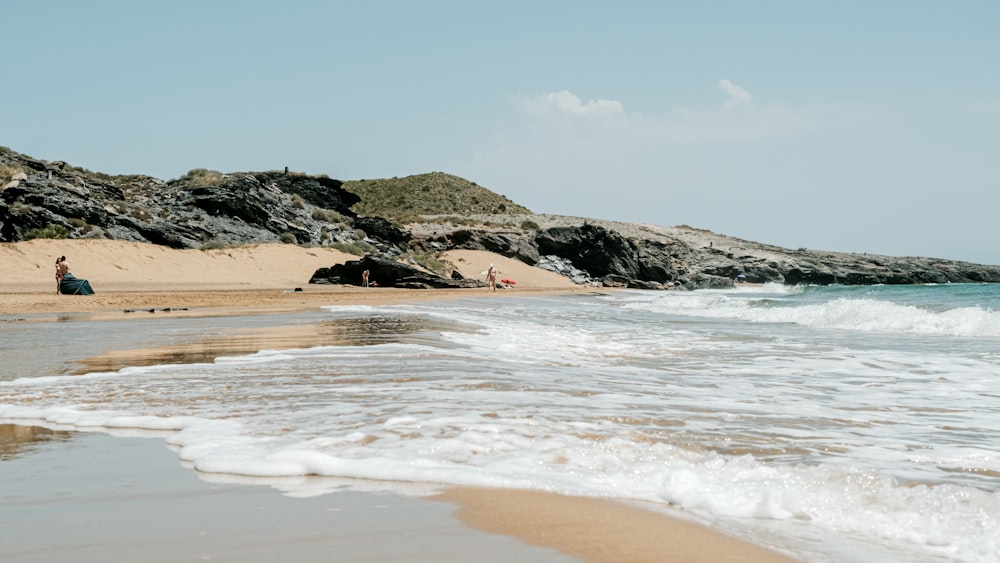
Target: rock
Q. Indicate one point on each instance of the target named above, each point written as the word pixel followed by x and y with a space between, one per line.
pixel 595 250
pixel 382 230
pixel 563 266
pixel 506 243
pixel 319 191
pixel 195 211
pixel 387 273
pixel 642 284
pixel 708 281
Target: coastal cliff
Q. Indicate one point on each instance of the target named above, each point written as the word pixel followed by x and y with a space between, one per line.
pixel 208 209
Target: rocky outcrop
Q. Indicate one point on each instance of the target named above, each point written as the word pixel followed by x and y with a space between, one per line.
pixel 382 233
pixel 387 273
pixel 596 250
pixel 643 257
pixel 512 244
pixel 199 210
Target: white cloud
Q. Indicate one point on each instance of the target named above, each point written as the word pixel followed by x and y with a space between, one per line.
pixel 738 96
pixel 567 103
pixel 605 122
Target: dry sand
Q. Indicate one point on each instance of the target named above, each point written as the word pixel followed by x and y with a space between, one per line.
pixel 137 276
pixel 140 278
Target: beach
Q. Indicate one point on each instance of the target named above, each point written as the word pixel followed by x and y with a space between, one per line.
pixel 138 277
pixel 100 497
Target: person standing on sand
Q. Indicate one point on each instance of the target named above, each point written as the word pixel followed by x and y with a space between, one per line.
pixel 61 269
pixel 67 283
pixel 491 277
pixel 364 278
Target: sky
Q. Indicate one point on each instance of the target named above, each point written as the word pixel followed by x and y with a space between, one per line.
pixel 856 126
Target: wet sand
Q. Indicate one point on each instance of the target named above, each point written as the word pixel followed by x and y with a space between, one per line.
pixel 95 498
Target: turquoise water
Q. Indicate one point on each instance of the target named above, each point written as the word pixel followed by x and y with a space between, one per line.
pixel 831 423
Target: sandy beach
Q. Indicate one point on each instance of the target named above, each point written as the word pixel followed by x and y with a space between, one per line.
pixel 59 503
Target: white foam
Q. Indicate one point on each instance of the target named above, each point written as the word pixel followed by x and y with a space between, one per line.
pixel 857 314
pixel 549 455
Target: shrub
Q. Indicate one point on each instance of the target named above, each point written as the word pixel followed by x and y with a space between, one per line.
pixel 7 172
pixel 201 177
pixel 325 215
pixel 359 248
pixel 429 261
pixel 51 231
pixel 298 202
pixel 141 214
pixel 288 238
pixel 213 244
pixel 76 222
pixel 529 225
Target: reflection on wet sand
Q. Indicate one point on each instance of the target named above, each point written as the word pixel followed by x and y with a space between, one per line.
pixel 361 331
pixel 17 440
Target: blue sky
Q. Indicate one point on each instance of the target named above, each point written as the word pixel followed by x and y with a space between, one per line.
pixel 861 126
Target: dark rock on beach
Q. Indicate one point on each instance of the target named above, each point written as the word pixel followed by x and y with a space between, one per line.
pixel 387 273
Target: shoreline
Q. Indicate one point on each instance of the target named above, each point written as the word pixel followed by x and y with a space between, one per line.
pixel 92 497
pixel 113 494
pixel 131 303
pixel 584 528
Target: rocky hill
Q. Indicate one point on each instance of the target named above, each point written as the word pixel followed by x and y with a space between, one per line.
pixel 407 199
pixel 410 221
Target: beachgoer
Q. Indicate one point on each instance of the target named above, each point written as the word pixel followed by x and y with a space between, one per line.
pixel 61 269
pixel 491 277
pixel 68 283
pixel 364 278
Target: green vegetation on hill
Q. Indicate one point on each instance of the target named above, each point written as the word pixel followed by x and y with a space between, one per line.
pixel 200 177
pixel 437 193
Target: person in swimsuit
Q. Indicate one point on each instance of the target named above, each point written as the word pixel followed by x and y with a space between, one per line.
pixel 67 283
pixel 491 277
pixel 62 268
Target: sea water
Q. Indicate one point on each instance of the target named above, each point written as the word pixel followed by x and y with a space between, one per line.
pixel 831 423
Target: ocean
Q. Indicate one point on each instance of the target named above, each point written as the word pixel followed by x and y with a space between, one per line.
pixel 830 423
